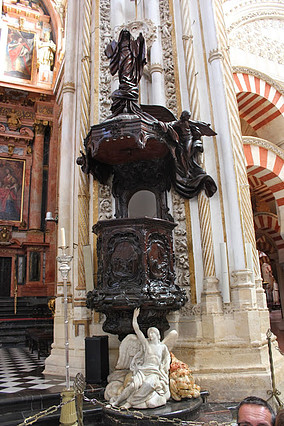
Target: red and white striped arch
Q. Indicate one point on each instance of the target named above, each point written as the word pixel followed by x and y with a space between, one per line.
pixel 268 223
pixel 260 189
pixel 259 103
pixel 268 167
pixel 265 166
pixel 263 244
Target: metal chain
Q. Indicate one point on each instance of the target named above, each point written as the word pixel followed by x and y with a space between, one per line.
pixel 140 416
pixel 32 419
pixel 136 414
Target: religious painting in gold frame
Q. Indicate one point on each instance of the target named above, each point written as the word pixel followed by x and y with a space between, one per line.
pixel 19 54
pixel 12 173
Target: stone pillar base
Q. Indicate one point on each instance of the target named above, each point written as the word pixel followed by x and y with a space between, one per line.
pixel 231 371
pixel 55 363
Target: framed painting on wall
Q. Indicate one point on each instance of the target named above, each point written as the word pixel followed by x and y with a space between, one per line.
pixel 12 174
pixel 19 54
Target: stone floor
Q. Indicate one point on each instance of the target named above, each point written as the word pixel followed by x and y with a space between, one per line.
pixel 24 390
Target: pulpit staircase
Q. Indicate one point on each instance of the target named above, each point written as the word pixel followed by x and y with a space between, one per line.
pixel 31 312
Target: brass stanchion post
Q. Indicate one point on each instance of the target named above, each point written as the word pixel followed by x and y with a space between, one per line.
pixel 68 416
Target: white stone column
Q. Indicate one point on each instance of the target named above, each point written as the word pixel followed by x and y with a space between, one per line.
pixel 156 56
pixel 67 152
pixel 117 18
pixel 55 363
pixel 117 13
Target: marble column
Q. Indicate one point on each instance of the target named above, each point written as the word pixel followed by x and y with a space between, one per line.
pixel 55 363
pixel 37 177
pixel 156 65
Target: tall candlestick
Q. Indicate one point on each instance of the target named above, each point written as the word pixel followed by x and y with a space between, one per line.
pixel 63 241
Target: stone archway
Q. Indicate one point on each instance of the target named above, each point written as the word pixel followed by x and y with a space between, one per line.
pixel 266 162
pixel 265 167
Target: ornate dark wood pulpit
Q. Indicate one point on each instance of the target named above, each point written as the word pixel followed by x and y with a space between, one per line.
pixel 140 148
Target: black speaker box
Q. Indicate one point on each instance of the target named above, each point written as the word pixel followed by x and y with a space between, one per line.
pixel 96 359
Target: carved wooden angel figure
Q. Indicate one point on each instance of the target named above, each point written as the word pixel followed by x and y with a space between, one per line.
pixel 127 57
pixel 183 138
pixel 141 377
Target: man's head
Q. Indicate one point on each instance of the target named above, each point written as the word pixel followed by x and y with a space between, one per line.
pixel 254 411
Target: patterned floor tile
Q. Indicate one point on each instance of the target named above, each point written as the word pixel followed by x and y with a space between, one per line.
pixel 21 371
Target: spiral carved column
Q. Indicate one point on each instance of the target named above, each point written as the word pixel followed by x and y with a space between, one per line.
pixel 187 38
pixel 203 202
pixel 83 195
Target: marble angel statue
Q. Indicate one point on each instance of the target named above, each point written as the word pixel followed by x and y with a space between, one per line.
pixel 141 376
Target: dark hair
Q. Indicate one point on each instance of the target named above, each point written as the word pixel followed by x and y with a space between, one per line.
pixel 279 418
pixel 255 400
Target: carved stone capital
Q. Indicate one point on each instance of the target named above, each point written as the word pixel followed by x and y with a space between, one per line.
pixel 214 55
pixel 156 68
pixel 68 87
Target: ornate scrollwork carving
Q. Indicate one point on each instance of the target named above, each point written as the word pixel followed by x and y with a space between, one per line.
pixel 166 27
pixel 5 235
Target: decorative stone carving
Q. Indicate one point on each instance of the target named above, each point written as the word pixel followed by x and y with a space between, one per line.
pixel 68 87
pixel 141 377
pixel 181 250
pixel 13 120
pixel 249 140
pixel 46 51
pixel 26 131
pixel 166 27
pixel 261 38
pixel 215 54
pixel 105 202
pixel 60 6
pixel 105 78
pixel 5 235
pixel 146 27
pixel 191 310
pixel 11 148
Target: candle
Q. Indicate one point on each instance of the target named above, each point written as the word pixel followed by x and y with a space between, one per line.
pixel 48 216
pixel 63 237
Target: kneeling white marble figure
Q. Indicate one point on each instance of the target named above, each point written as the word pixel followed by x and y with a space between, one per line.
pixel 141 376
